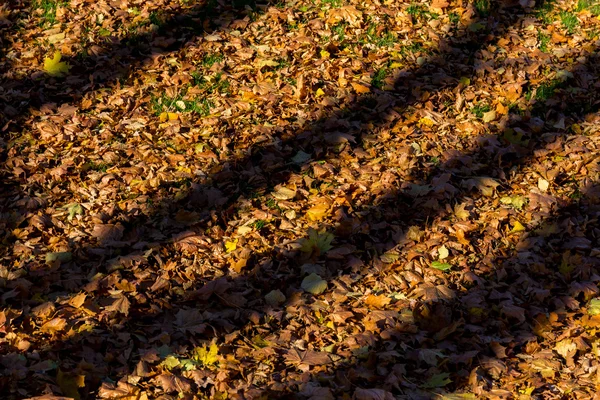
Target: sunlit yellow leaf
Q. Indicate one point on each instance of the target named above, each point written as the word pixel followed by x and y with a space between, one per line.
pixel 426 121
pixel 517 227
pixel 206 356
pixel 325 54
pixel 319 92
pixel 54 67
pixel 318 211
pixel 231 245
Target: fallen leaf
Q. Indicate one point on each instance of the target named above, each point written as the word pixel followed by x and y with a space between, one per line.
pixel 443 252
pixel 54 67
pixel 231 245
pixel 54 326
pixel 307 357
pixel 314 284
pixel 360 89
pixel 377 301
pixel 275 297
pixel 441 266
pixel 171 383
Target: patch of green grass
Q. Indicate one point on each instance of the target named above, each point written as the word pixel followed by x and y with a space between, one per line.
pixel 339 30
pixel 259 224
pixel 480 108
pixel 418 12
pixel 210 59
pixel 215 85
pixel 378 79
pixel 156 18
pixel 331 3
pixel 94 166
pixel 569 21
pixel 271 204
pixel 592 5
pixel 543 41
pixel 482 7
pixel 384 38
pixel 454 18
pixel 544 11
pixel 546 90
pixel 173 104
pixel 414 47
pixel 48 10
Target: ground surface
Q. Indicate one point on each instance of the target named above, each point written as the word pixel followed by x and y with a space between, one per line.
pixel 306 199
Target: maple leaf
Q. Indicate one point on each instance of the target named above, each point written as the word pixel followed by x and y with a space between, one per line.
pixel 206 356
pixel 55 67
pixel 120 304
pixel 317 242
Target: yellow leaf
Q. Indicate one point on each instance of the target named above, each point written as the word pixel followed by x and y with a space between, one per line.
pixel 54 67
pixel 164 116
pixel 319 92
pixel 360 88
pixel 249 97
pixel 426 121
pixel 325 54
pixel 318 211
pixel 231 245
pixel 460 212
pixel 443 252
pixel 206 356
pixel 396 65
pixel 517 227
pixel 465 81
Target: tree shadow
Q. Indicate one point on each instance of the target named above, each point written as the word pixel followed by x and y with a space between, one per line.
pixel 403 345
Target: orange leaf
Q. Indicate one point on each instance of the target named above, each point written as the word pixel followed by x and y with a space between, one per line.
pixel 377 301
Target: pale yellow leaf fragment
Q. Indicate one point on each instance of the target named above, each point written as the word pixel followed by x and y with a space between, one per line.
pixel 489 116
pixel 543 184
pixel 443 252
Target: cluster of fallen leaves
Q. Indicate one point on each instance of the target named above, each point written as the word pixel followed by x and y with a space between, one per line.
pixel 312 199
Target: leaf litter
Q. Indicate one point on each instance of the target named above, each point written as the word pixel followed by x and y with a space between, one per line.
pixel 311 199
